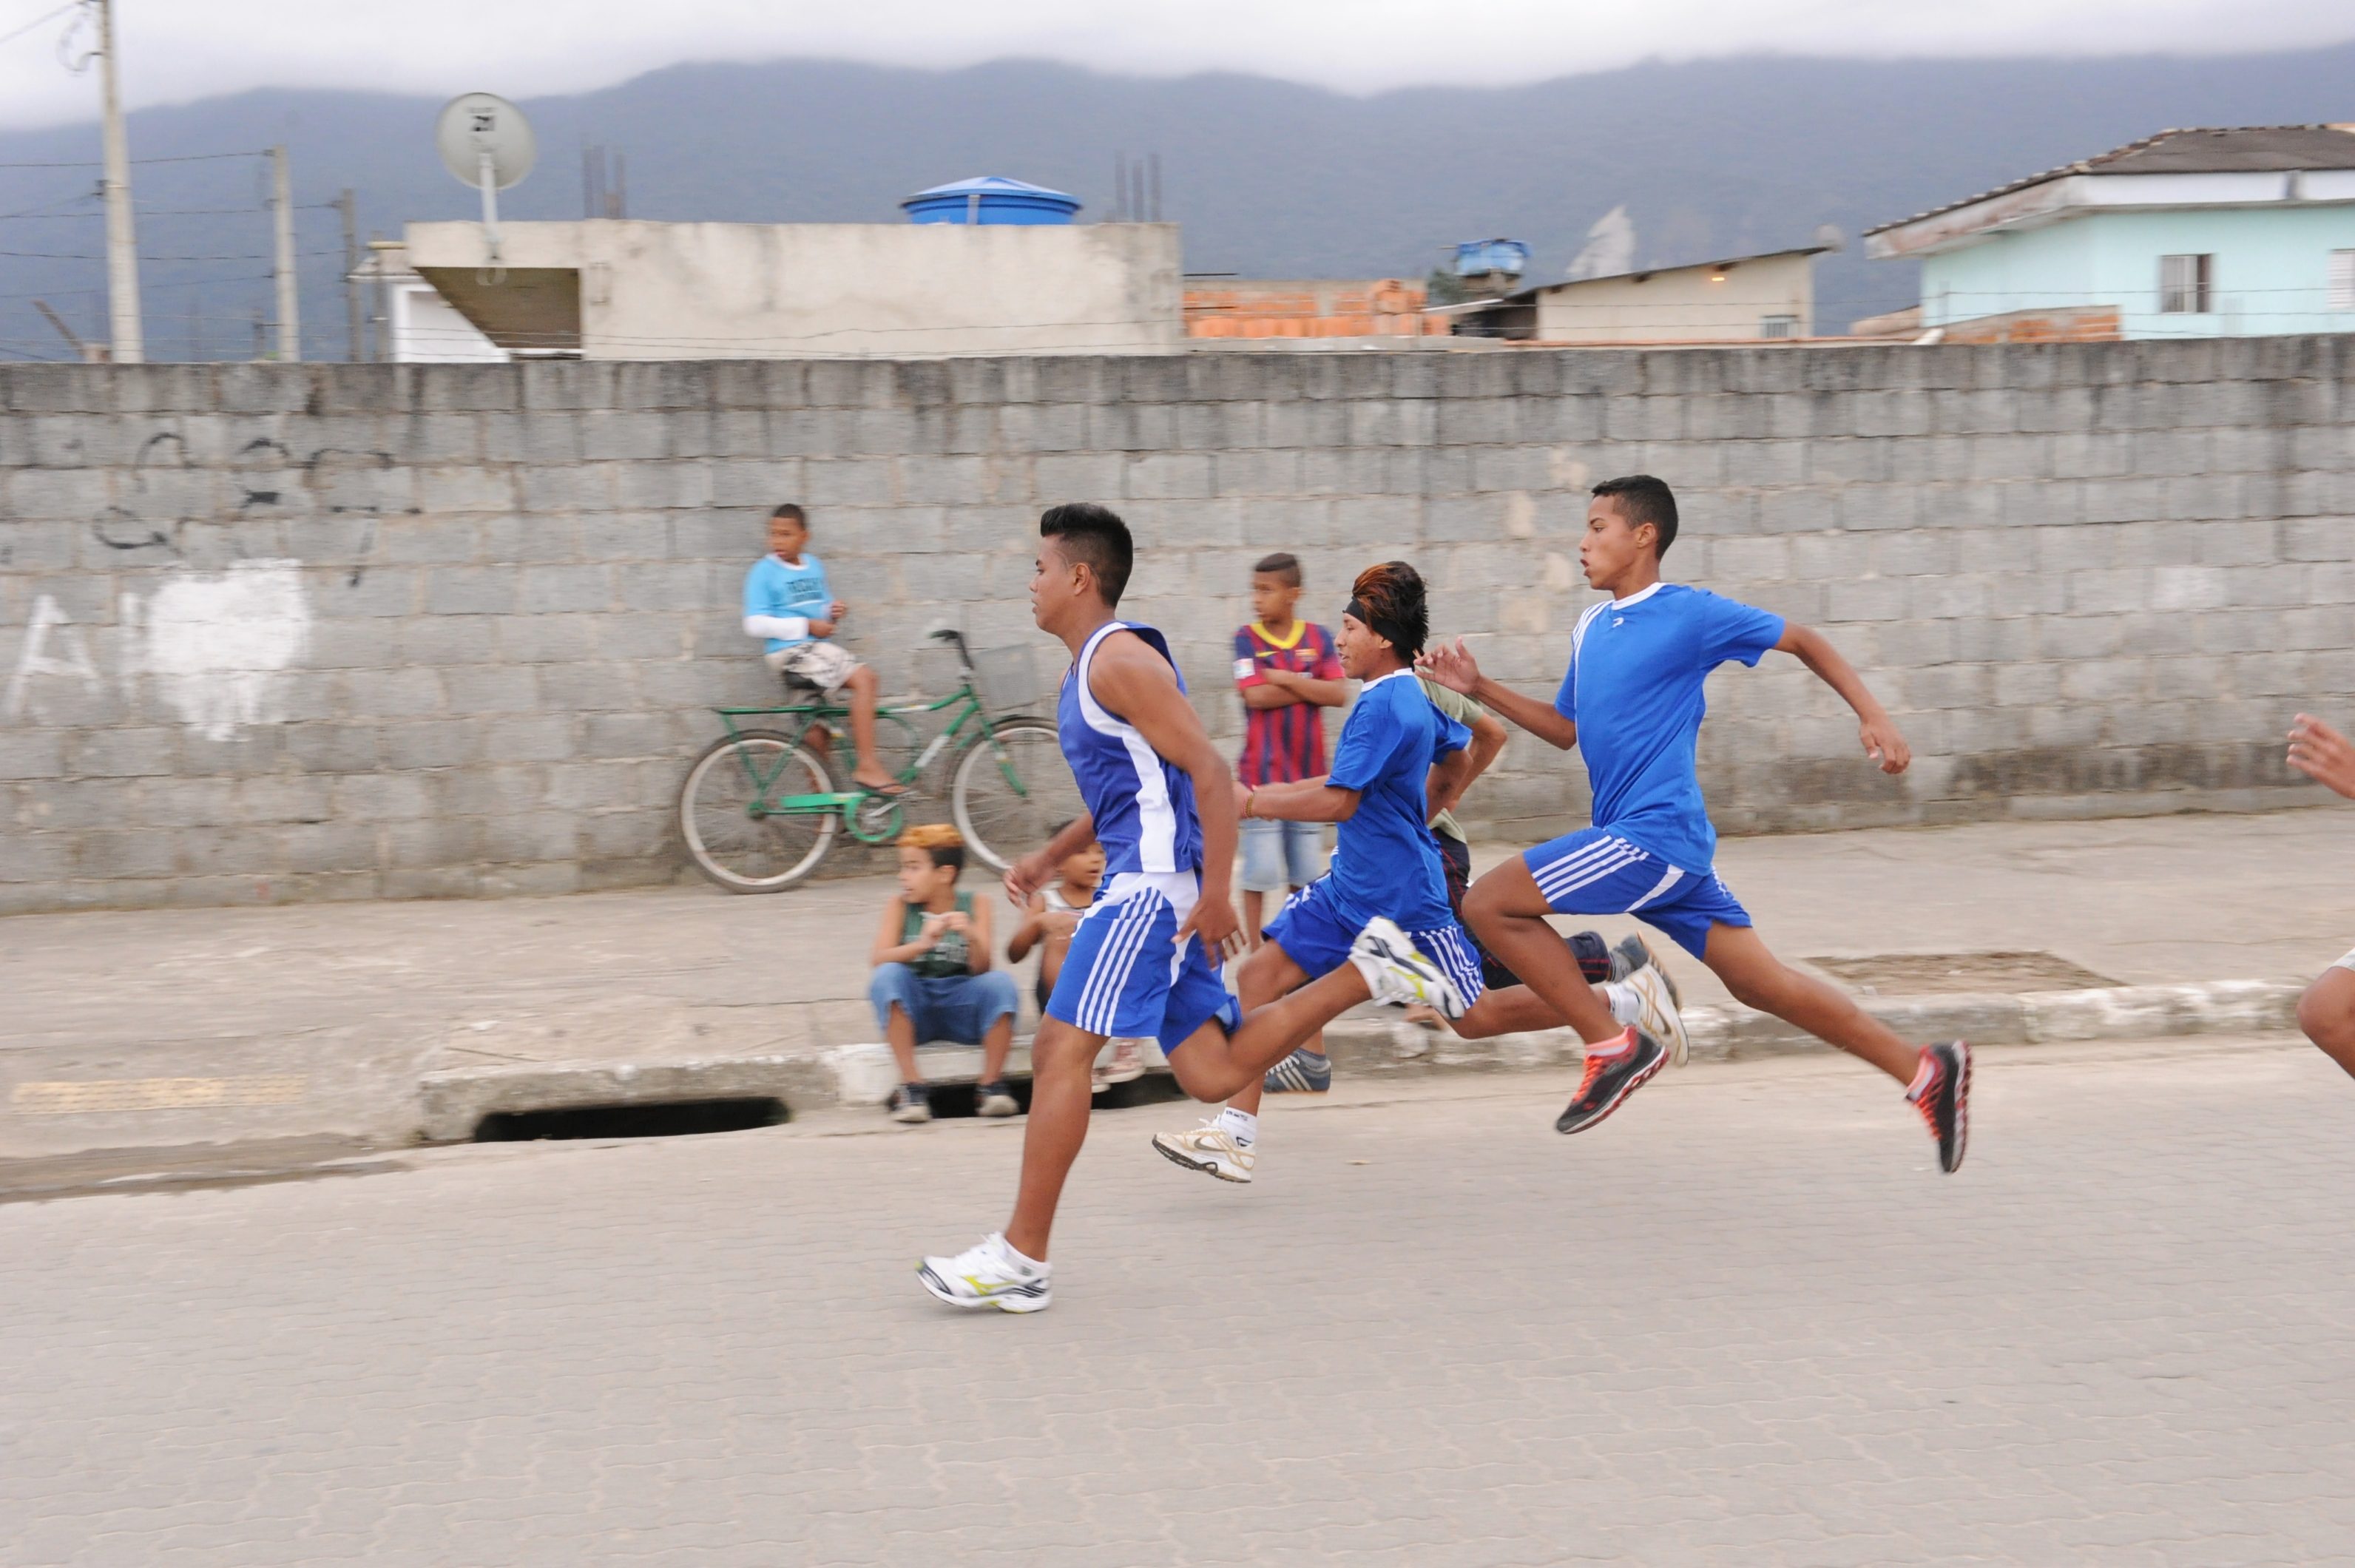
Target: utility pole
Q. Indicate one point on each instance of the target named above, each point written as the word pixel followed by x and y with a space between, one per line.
pixel 122 245
pixel 353 341
pixel 281 198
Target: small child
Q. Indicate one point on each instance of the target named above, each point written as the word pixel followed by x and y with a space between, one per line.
pixel 932 975
pixel 1054 914
pixel 788 604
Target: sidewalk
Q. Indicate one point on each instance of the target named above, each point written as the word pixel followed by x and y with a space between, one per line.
pixel 166 1027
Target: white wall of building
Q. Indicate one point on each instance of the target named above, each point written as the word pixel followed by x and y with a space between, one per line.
pixel 695 291
pixel 423 327
pixel 1684 304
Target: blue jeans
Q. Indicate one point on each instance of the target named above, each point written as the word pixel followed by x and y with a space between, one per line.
pixel 1280 855
pixel 953 1009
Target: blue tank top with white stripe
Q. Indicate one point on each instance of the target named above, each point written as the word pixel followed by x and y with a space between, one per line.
pixel 1142 805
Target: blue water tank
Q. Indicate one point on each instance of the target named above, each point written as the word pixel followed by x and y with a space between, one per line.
pixel 1476 257
pixel 992 198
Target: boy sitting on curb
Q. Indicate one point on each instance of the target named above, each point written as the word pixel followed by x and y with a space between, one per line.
pixel 1053 914
pixel 933 979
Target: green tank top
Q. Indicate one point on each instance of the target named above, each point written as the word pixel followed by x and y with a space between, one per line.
pixel 951 954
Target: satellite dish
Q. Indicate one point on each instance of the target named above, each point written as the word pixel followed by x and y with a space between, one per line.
pixel 478 126
pixel 486 141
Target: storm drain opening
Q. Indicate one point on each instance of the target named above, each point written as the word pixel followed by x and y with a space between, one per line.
pixel 680 1118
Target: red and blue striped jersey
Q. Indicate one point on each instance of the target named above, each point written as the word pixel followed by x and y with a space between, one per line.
pixel 1282 745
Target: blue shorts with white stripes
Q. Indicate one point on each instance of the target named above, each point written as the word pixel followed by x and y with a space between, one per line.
pixel 1316 936
pixel 1596 872
pixel 1125 974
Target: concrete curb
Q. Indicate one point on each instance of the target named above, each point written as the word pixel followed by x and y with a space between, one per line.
pixel 452 1102
pixel 1731 1034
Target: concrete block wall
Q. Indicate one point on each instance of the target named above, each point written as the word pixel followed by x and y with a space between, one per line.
pixel 356 631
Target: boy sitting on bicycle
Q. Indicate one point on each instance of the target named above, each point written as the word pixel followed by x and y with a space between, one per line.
pixel 788 604
pixel 934 980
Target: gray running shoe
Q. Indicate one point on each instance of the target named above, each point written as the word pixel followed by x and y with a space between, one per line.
pixel 1632 953
pixel 1304 1072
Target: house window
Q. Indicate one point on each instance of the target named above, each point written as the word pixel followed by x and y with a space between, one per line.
pixel 2185 283
pixel 2342 280
pixel 1779 327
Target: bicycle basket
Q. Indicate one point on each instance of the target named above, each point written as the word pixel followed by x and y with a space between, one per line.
pixel 1007 678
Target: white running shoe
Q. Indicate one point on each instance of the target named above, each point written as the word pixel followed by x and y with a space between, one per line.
pixel 1208 1149
pixel 988 1275
pixel 1398 971
pixel 1659 1017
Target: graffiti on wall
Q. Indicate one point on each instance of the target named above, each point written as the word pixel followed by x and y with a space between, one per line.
pixel 216 635
pixel 216 644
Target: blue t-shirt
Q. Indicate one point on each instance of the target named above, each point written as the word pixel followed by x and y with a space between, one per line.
pixel 773 588
pixel 1385 862
pixel 1634 689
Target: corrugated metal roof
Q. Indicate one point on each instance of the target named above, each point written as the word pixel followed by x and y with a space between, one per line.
pixel 2200 149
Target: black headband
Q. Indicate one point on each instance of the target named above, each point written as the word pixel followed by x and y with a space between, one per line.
pixel 1385 628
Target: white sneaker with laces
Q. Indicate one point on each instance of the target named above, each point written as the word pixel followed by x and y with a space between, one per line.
pixel 1208 1149
pixel 988 1275
pixel 1659 1016
pixel 1397 971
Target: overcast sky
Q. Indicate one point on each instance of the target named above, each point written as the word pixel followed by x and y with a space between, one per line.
pixel 175 50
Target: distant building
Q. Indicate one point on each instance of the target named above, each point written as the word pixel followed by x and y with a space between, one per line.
pixel 1264 309
pixel 416 325
pixel 986 266
pixel 2202 233
pixel 1741 299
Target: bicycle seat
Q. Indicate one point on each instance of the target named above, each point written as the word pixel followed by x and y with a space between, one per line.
pixel 799 683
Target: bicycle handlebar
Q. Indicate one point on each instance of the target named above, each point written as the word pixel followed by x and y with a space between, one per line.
pixel 955 639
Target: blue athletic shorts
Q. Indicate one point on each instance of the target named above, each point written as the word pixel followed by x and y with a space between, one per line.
pixel 1595 872
pixel 1125 974
pixel 1316 936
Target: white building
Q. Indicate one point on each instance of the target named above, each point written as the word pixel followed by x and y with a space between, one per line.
pixel 1741 299
pixel 625 289
pixel 2202 233
pixel 417 325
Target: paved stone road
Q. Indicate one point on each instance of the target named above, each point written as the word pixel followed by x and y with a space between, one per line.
pixel 1746 1322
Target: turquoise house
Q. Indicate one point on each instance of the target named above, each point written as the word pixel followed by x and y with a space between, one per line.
pixel 2203 233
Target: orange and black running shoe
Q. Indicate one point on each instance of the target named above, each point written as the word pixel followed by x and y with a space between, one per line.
pixel 1610 1079
pixel 1944 1101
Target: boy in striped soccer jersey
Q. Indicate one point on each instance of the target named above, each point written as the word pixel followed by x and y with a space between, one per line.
pixel 1289 673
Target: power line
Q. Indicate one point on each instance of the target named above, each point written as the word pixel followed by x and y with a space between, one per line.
pixel 8 38
pixel 93 256
pixel 94 163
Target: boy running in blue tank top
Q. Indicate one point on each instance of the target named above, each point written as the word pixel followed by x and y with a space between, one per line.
pixel 1379 920
pixel 1632 702
pixel 1160 799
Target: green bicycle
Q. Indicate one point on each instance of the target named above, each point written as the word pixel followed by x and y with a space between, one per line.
pixel 760 811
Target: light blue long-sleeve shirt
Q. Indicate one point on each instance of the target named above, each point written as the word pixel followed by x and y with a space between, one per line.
pixel 774 587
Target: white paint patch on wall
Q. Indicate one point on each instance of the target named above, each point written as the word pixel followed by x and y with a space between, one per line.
pixel 219 643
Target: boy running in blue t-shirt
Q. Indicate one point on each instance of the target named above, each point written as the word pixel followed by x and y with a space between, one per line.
pixel 1379 921
pixel 1632 702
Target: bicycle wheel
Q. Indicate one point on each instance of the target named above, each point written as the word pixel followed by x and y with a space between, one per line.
pixel 1012 790
pixel 730 838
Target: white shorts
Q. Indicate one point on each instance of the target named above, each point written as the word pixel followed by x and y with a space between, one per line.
pixel 824 665
pixel 2346 963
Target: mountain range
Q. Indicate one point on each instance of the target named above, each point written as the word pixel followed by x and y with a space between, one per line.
pixel 1269 178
